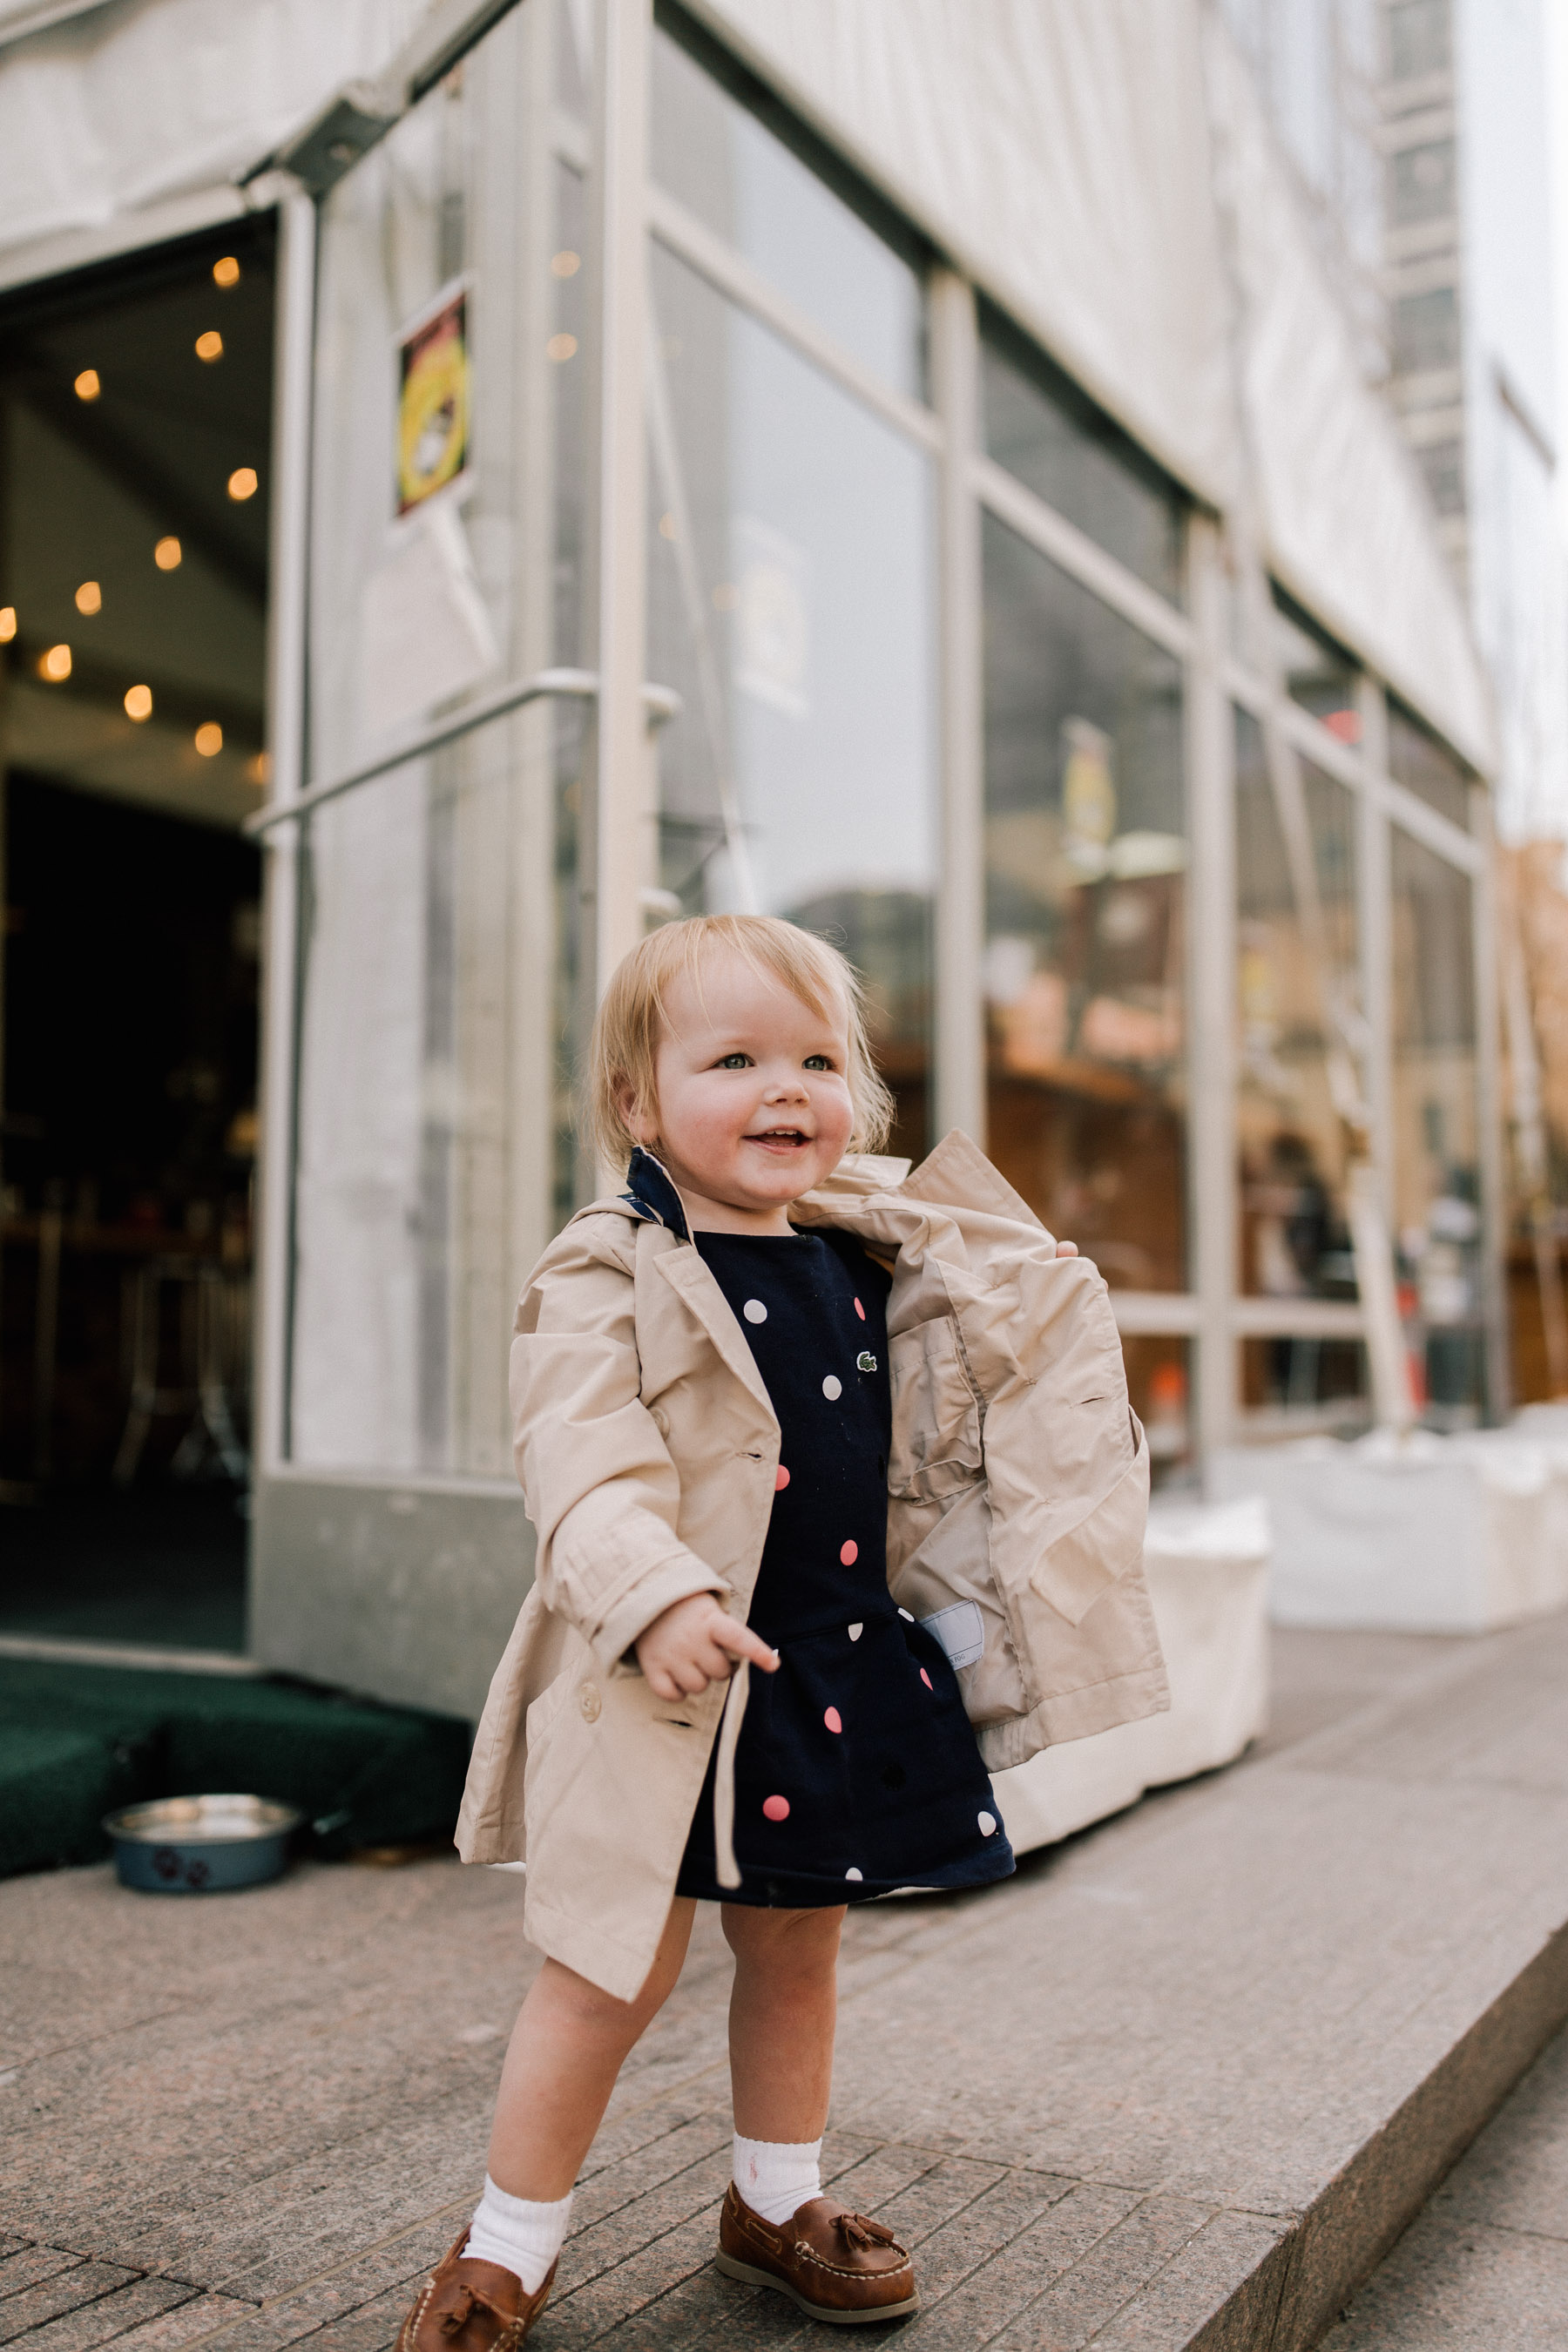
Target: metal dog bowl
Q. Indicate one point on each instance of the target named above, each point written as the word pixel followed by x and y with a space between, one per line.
pixel 201 1845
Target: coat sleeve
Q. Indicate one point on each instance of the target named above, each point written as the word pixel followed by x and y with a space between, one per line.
pixel 601 1487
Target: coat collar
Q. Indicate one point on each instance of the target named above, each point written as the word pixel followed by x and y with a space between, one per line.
pixel 651 1195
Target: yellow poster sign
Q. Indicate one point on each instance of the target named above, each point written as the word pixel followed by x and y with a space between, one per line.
pixel 433 381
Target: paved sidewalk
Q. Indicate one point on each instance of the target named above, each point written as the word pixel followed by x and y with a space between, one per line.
pixel 1177 2083
pixel 1485 2267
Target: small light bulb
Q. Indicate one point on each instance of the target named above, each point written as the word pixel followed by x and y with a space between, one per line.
pixel 209 739
pixel 567 264
pixel 257 768
pixel 562 347
pixel 167 555
pixel 55 664
pixel 87 386
pixel 7 624
pixel 226 271
pixel 89 597
pixel 210 345
pixel 138 702
pixel 242 484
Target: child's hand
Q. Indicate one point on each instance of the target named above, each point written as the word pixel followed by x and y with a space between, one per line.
pixel 1066 1249
pixel 696 1643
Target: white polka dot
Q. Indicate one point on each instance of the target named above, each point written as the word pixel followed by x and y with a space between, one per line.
pixel 754 1311
pixel 856 1630
pixel 907 1618
pixel 857 1875
pixel 987 1824
pixel 832 1386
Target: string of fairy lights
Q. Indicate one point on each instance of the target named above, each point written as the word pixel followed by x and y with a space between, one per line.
pixel 53 666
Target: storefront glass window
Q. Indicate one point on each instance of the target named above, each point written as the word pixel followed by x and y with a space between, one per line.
pixel 715 157
pixel 1436 1150
pixel 1298 1023
pixel 1319 674
pixel 1039 425
pixel 1417 760
pixel 440 1015
pixel 1298 1388
pixel 791 604
pixel 1086 907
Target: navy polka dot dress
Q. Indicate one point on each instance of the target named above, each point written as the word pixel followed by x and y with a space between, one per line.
pixel 856 1770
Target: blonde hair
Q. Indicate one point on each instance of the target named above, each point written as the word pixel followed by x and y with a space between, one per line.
pixel 631 1021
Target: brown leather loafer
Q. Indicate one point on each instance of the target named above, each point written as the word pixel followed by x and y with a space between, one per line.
pixel 835 2264
pixel 471 2307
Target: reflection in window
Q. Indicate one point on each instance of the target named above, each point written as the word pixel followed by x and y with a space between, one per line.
pixel 1291 1002
pixel 1417 760
pixel 1159 1387
pixel 438 1020
pixel 1042 428
pixel 1295 1387
pixel 717 159
pixel 1319 674
pixel 1436 1139
pixel 790 603
pixel 1085 901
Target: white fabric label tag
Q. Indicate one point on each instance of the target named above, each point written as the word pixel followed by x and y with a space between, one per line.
pixel 960 1630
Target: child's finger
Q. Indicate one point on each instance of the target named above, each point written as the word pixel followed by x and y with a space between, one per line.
pixel 742 1643
pixel 1066 1249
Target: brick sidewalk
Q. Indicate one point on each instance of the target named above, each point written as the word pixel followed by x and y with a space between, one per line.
pixel 1098 2100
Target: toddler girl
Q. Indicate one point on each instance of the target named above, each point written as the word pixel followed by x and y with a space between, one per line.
pixel 718 1696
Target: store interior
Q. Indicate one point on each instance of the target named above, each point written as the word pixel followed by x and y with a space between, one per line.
pixel 134 440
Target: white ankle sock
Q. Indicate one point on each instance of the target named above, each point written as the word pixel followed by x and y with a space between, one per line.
pixel 776 2177
pixel 524 2238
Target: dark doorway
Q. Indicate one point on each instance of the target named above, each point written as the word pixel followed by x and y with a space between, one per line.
pixel 134 437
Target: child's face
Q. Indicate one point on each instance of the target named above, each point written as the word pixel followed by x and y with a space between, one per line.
pixel 754 1102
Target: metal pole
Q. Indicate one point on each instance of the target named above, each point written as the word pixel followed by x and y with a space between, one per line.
pixel 1211 986
pixel 958 1097
pixel 617 585
pixel 296 310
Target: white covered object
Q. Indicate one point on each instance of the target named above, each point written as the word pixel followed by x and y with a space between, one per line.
pixel 1420 1534
pixel 1207 1571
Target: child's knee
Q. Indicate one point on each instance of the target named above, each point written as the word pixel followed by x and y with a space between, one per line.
pixel 797 1946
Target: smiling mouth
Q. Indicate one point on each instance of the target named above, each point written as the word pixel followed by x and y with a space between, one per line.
pixel 788 1139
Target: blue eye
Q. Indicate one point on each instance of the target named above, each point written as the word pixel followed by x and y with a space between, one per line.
pixel 818 1062
pixel 736 1061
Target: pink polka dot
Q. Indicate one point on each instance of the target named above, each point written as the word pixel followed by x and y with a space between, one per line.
pixel 860 1311
pixel 849 1553
pixel 781 1479
pixel 776 1807
pixel 927 1680
pixel 833 1719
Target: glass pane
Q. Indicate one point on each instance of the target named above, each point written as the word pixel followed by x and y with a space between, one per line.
pixel 1298 1388
pixel 714 156
pixel 1159 1383
pixel 442 1016
pixel 791 603
pixel 1319 674
pixel 1417 758
pixel 1292 1137
pixel 450 333
pixel 1436 1148
pixel 1086 912
pixel 1042 428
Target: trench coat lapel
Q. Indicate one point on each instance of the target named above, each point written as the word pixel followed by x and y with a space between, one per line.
pixel 693 1283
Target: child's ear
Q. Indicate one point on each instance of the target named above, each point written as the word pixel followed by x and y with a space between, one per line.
pixel 638 1120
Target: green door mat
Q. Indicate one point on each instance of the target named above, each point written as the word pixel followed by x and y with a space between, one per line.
pixel 76 1741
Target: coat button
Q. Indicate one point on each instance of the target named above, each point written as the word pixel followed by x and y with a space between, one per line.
pixel 588 1699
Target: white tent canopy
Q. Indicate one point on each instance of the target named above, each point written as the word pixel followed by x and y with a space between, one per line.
pixel 1100 166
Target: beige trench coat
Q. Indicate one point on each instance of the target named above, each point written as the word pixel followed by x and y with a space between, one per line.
pixel 1017 1489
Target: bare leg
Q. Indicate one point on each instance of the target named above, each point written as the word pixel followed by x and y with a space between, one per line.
pixel 782 2015
pixel 567 2047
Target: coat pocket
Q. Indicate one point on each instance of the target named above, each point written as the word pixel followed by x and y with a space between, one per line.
pixel 554 1755
pixel 936 1449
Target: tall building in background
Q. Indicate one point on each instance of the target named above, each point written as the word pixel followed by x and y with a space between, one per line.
pixel 1418 132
